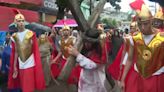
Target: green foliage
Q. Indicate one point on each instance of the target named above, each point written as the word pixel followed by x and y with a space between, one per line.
pixel 113 2
pixel 63 5
pixel 110 22
pixel 114 22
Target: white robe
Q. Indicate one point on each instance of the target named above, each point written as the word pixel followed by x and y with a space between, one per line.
pixel 92 76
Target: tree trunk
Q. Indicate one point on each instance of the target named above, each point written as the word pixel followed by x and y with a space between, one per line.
pixel 83 25
pixel 66 71
pixel 96 12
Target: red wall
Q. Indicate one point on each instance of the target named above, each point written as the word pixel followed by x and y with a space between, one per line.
pixel 7 16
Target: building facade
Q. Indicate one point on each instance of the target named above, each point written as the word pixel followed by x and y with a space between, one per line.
pixel 40 11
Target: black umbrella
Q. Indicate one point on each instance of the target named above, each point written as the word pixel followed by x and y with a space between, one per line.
pixel 13 26
pixel 36 27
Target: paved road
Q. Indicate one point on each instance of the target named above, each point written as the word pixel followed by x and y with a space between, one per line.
pixel 63 87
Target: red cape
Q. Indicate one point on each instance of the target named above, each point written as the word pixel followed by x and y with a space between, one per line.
pixel 39 76
pixel 95 57
pixel 161 29
pixel 114 68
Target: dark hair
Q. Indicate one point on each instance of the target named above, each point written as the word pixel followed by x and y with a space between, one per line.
pixel 94 47
pixel 91 35
pixel 116 31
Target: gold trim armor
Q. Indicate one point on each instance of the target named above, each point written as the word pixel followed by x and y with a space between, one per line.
pixel 65 45
pixel 150 58
pixel 25 47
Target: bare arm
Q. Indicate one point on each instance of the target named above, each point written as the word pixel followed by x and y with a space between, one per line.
pixel 15 60
pixel 128 63
pixel 126 44
pixel 57 57
pixel 123 53
pixel 15 64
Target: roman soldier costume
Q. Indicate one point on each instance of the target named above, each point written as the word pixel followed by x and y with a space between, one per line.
pixel 59 64
pixel 25 54
pixel 147 74
pixel 159 19
pixel 149 57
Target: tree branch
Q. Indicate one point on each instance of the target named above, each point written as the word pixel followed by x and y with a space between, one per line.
pixel 96 12
pixel 83 25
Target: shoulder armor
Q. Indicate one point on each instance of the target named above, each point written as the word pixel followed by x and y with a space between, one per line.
pixel 14 36
pixel 29 34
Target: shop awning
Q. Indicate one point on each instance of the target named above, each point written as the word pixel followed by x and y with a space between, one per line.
pixel 36 2
pixel 7 16
pixel 10 1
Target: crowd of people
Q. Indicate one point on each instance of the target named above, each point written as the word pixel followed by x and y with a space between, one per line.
pixel 134 58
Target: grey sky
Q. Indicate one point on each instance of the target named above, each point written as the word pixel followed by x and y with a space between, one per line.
pixel 125 5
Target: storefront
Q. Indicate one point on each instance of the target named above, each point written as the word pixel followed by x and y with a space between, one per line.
pixel 41 11
pixel 48 11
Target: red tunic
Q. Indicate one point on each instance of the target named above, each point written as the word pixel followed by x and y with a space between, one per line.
pixel 59 65
pixel 114 68
pixel 138 82
pixel 31 78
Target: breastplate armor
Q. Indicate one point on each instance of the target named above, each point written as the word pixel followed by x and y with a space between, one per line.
pixel 24 48
pixel 150 58
pixel 65 45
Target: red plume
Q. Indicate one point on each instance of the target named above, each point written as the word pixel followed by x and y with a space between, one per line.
pixel 137 4
pixel 16 11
